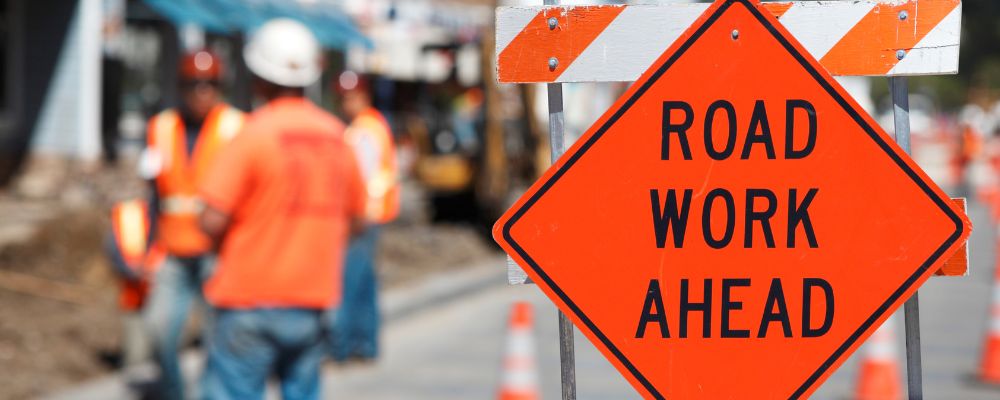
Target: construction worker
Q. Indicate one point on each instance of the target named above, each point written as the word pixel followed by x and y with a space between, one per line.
pixel 134 260
pixel 182 144
pixel 281 204
pixel 354 327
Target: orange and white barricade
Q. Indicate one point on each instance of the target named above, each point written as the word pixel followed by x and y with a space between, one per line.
pixel 858 38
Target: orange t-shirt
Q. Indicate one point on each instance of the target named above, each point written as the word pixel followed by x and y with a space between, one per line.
pixel 291 186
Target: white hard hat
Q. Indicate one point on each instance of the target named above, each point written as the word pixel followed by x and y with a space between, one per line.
pixel 285 52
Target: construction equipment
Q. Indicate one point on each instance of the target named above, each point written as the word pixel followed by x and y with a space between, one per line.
pixel 472 146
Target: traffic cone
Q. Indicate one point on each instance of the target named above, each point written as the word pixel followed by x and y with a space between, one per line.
pixel 520 377
pixel 879 377
pixel 989 368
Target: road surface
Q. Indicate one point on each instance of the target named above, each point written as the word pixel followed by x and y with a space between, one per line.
pixel 454 352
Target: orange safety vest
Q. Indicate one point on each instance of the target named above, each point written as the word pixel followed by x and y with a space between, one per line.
pixel 130 230
pixel 178 177
pixel 370 128
pixel 130 227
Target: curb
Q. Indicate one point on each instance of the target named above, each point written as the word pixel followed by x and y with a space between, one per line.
pixel 440 288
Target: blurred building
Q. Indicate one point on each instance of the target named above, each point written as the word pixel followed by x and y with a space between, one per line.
pixel 421 40
pixel 79 76
pixel 50 55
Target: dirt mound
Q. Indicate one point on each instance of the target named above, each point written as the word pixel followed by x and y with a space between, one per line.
pixel 59 320
pixel 410 251
pixel 57 307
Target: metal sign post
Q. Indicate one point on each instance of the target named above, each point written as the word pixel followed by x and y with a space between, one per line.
pixel 911 309
pixel 567 358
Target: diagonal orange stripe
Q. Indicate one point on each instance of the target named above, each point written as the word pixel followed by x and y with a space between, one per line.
pixel 870 47
pixel 777 9
pixel 526 58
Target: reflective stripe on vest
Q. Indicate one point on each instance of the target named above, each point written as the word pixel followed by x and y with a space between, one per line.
pixel 382 184
pixel 181 205
pixel 164 127
pixel 230 123
pixel 130 225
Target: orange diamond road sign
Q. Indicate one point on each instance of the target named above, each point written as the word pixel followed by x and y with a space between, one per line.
pixel 735 225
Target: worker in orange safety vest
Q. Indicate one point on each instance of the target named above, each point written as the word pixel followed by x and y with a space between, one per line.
pixel 134 258
pixel 354 327
pixel 183 143
pixel 281 202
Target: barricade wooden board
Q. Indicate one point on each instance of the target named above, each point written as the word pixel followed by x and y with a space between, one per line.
pixel 735 226
pixel 618 42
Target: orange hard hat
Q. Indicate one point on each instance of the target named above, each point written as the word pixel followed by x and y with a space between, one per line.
pixel 201 65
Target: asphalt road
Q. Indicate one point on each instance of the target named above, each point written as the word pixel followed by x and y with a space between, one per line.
pixel 454 351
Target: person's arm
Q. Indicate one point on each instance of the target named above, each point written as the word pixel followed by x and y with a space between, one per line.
pixel 225 187
pixel 214 223
pixel 118 263
pixel 357 195
pixel 149 168
pixel 358 226
pixel 152 212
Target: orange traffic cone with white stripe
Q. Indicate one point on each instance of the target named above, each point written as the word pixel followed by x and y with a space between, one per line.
pixel 989 368
pixel 520 377
pixel 879 378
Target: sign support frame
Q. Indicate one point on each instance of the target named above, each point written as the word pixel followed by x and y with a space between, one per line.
pixel 557 122
pixel 899 91
pixel 911 309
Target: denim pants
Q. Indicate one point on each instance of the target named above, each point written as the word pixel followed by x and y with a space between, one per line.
pixel 354 326
pixel 175 288
pixel 248 346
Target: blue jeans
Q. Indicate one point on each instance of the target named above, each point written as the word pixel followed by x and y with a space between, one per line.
pixel 354 327
pixel 247 346
pixel 175 288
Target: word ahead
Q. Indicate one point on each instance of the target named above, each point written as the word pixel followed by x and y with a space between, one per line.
pixel 775 309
